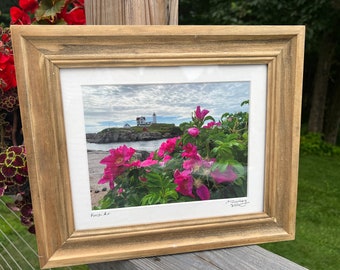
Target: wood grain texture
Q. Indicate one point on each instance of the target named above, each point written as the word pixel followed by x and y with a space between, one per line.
pixel 240 258
pixel 40 53
pixel 131 12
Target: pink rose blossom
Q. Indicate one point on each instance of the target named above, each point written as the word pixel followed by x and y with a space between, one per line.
pixel 184 182
pixel 148 163
pixel 168 146
pixel 200 114
pixel 190 151
pixel 193 132
pixel 190 164
pixel 212 124
pixel 118 156
pixel 116 164
pixel 226 176
pixel 110 174
pixel 165 160
pixel 203 192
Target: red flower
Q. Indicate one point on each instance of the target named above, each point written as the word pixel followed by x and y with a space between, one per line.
pixel 5 59
pixel 29 5
pixel 18 16
pixel 7 77
pixel 5 38
pixel 74 16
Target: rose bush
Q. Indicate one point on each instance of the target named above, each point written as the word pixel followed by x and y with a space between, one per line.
pixel 13 167
pixel 208 161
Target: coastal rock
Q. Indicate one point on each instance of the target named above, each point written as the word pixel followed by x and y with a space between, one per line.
pixel 112 135
pixel 123 136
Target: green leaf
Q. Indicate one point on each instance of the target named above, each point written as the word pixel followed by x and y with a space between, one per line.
pixel 220 166
pixel 107 201
pixel 151 198
pixel 238 182
pixel 240 170
pixel 171 194
pixel 209 117
pixel 153 176
pixel 246 102
pixel 49 9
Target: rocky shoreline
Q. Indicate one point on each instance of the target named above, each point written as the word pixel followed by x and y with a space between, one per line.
pixel 124 136
pixel 154 132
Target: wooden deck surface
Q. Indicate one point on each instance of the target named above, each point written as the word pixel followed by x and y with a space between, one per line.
pixel 240 258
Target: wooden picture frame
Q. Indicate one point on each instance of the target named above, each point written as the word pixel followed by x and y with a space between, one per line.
pixel 41 55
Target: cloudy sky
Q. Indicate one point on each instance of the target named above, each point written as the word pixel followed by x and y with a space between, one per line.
pixel 115 105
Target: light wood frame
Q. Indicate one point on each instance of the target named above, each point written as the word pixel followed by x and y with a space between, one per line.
pixel 40 53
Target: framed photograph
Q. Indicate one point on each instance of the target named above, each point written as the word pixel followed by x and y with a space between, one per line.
pixel 154 140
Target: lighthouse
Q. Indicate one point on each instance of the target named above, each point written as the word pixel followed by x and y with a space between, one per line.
pixel 154 119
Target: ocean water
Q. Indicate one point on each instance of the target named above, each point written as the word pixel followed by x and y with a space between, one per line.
pixel 138 145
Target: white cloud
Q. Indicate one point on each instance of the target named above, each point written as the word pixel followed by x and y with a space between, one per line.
pixel 123 103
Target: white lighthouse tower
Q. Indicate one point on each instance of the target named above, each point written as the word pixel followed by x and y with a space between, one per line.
pixel 154 119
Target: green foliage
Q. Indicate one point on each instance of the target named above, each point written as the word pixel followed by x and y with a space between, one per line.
pixel 160 189
pixel 4 11
pixel 208 161
pixel 48 9
pixel 319 16
pixel 312 143
pixel 317 245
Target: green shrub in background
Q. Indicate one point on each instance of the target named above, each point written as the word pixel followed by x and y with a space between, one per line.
pixel 317 242
pixel 313 143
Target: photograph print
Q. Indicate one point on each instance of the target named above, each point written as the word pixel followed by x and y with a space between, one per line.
pixel 151 144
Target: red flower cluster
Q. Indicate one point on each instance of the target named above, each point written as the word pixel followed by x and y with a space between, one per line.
pixel 34 11
pixel 74 12
pixel 7 70
pixel 50 12
pixel 20 15
pixel 13 169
